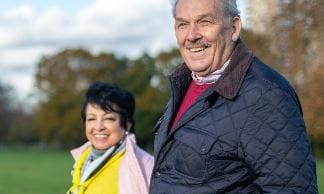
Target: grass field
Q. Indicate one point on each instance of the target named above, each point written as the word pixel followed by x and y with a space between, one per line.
pixel 320 176
pixel 34 172
pixel 40 172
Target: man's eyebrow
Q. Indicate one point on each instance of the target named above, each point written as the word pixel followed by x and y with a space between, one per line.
pixel 210 16
pixel 205 15
pixel 199 17
pixel 180 20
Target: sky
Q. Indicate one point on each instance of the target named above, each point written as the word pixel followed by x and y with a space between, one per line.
pixel 30 29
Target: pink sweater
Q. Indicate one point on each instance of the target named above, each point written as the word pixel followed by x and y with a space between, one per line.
pixel 135 168
pixel 193 92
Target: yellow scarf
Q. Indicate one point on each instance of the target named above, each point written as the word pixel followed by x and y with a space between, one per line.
pixel 104 181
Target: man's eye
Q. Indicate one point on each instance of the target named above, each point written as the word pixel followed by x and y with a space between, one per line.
pixel 205 22
pixel 91 119
pixel 181 25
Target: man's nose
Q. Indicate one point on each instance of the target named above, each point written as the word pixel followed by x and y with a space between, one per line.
pixel 193 33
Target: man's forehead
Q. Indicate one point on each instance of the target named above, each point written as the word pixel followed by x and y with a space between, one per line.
pixel 193 9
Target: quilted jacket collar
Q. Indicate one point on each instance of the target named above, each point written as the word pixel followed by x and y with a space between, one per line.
pixel 230 82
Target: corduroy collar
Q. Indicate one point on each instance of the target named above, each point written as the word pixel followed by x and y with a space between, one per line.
pixel 229 83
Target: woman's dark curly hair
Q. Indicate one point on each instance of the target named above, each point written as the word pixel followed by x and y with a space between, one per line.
pixel 110 97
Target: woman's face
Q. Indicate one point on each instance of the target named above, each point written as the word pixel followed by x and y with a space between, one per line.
pixel 103 129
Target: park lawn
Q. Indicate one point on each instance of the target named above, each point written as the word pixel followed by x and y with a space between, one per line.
pixel 37 172
pixel 34 172
pixel 320 175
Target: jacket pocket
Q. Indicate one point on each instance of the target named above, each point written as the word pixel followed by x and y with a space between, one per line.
pixel 191 153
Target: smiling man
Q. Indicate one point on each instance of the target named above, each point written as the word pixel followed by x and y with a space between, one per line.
pixel 233 124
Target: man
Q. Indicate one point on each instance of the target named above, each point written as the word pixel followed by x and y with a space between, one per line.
pixel 233 125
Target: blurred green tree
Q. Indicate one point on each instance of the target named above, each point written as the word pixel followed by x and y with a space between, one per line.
pixel 147 79
pixel 62 80
pixel 5 111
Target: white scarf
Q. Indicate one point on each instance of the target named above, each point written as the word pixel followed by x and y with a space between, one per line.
pixel 210 78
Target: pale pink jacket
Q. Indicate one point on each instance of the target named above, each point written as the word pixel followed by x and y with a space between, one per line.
pixel 135 168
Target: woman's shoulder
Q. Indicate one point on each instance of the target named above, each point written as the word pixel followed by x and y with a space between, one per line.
pixel 144 155
pixel 77 152
pixel 134 151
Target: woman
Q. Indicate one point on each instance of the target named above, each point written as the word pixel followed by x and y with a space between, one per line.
pixel 110 162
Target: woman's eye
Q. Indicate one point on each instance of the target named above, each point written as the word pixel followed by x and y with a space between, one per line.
pixel 110 118
pixel 91 119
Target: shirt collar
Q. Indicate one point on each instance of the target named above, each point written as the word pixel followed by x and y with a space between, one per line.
pixel 210 78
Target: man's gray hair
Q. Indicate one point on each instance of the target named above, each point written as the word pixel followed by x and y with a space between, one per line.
pixel 229 7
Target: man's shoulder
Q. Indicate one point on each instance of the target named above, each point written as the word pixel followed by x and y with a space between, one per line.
pixel 268 83
pixel 264 75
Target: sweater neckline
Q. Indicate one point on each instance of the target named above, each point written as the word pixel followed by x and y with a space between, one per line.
pixel 210 78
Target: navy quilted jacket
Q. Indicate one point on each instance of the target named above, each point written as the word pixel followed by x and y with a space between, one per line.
pixel 244 134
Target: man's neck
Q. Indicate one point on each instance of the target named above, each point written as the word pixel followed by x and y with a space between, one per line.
pixel 210 78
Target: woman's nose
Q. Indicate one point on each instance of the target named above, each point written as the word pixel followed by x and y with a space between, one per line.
pixel 99 125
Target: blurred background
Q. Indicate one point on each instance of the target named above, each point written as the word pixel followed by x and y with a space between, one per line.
pixel 50 51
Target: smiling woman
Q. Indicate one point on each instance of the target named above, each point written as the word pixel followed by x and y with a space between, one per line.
pixel 103 129
pixel 111 155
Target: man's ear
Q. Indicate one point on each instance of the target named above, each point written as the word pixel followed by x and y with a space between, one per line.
pixel 236 28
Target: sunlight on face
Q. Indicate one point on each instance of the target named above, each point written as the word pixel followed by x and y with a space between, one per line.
pixel 204 39
pixel 103 129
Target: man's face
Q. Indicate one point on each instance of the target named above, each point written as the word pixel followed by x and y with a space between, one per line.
pixel 203 36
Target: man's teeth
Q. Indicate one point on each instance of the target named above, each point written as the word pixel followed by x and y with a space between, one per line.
pixel 101 136
pixel 196 49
